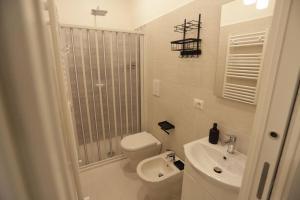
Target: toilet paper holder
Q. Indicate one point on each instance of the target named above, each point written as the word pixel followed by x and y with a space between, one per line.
pixel 166 126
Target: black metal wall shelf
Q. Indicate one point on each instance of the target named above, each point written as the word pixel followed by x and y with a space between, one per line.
pixel 189 44
pixel 188 47
pixel 190 25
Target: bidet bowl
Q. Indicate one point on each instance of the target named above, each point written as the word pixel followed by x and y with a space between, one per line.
pixel 160 176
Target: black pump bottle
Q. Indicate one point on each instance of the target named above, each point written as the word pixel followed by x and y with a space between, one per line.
pixel 214 134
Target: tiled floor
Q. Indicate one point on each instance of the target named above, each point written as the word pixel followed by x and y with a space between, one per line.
pixel 114 181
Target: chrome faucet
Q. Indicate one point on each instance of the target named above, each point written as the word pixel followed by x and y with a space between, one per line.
pixel 231 141
pixel 172 156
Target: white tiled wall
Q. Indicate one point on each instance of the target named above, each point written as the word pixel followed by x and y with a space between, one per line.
pixel 181 80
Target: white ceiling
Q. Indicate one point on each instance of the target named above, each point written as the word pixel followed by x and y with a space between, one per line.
pixel 122 14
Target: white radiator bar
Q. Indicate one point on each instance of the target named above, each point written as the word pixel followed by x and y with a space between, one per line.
pixel 250 39
pixel 243 68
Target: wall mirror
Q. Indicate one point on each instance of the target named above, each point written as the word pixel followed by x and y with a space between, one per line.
pixel 243 37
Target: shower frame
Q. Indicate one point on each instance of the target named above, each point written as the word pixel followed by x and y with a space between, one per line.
pixel 140 53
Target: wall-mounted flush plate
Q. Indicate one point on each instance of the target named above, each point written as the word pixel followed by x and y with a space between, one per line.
pixel 156 88
pixel 198 103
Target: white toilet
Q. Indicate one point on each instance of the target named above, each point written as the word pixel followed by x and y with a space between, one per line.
pixel 140 146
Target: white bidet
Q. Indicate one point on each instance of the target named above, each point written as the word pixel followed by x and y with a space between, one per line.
pixel 161 177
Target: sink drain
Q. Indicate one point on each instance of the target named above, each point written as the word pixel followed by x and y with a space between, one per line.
pixel 218 170
pixel 160 174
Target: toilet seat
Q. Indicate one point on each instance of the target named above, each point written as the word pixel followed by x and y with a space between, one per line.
pixel 138 141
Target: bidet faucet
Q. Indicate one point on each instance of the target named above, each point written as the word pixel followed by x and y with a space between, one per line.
pixel 172 156
pixel 231 143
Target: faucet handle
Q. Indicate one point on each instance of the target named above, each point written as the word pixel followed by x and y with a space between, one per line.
pixel 232 138
pixel 231 143
pixel 171 155
pixel 228 139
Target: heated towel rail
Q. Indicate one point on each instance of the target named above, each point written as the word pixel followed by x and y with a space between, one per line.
pixel 243 67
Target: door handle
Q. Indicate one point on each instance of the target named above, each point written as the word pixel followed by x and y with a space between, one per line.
pixel 99 84
pixel 262 181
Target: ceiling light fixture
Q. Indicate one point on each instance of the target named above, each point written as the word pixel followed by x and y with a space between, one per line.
pixel 262 4
pixel 249 2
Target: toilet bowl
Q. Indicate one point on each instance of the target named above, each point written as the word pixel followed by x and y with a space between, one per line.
pixel 140 146
pixel 161 178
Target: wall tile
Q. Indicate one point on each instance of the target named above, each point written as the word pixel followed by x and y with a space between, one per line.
pixel 185 79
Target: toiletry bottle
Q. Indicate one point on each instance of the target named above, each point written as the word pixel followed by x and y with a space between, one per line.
pixel 214 134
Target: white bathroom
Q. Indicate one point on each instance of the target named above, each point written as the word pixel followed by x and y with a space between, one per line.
pixel 150 100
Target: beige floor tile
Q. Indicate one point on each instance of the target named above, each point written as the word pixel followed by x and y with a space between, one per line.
pixel 114 181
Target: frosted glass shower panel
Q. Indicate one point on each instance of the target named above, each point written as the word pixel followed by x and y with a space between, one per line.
pixel 103 70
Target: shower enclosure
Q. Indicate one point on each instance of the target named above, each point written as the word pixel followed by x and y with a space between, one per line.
pixel 103 76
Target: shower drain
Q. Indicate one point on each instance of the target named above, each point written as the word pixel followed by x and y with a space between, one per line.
pixel 110 154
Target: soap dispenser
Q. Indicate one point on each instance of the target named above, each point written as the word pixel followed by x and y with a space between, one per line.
pixel 214 134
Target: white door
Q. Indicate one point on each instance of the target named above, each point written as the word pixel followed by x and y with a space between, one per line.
pixel 280 112
pixel 287 179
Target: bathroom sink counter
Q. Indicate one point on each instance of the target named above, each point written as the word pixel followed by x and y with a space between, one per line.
pixel 216 163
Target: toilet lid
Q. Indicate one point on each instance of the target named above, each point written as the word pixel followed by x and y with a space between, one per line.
pixel 138 141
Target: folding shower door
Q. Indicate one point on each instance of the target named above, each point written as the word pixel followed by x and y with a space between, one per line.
pixel 103 75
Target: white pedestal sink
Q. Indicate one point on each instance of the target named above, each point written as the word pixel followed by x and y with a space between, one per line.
pixel 211 173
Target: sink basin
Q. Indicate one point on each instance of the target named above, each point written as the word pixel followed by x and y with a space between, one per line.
pixel 215 162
